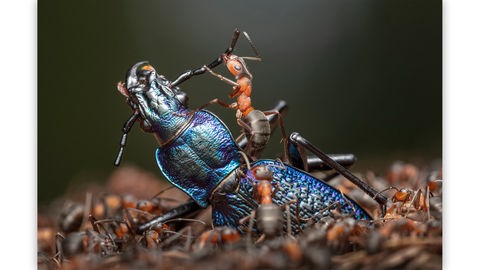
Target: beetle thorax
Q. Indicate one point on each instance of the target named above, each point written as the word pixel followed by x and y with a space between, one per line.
pixel 164 112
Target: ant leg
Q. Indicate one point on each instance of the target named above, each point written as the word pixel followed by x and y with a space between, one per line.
pixel 222 78
pixel 246 129
pixel 427 201
pixel 284 135
pixel 180 211
pixel 282 108
pixel 213 101
pixel 59 255
pixel 190 73
pixel 219 102
pixel 93 221
pixel 296 139
pixel 289 217
pixel 289 220
pixel 257 57
pixel 250 229
pixel 288 213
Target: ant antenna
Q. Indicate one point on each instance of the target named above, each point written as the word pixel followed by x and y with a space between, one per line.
pixel 258 57
pixel 387 189
pixel 275 166
pixel 186 219
pixel 161 191
pixel 246 159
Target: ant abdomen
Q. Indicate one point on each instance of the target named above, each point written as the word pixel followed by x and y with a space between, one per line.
pixel 259 134
pixel 269 219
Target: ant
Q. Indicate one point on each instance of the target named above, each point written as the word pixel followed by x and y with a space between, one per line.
pixel 407 198
pixel 254 122
pixel 268 215
pixel 71 217
pixel 218 235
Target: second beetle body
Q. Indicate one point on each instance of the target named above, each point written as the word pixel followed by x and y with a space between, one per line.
pixel 234 198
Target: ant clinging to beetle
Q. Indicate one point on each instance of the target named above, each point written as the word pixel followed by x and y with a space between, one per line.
pixel 256 126
pixel 268 215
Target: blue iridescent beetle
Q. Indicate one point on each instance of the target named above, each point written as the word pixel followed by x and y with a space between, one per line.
pixel 196 151
pixel 198 154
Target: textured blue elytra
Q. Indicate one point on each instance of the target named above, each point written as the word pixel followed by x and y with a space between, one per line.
pixel 313 197
pixel 200 157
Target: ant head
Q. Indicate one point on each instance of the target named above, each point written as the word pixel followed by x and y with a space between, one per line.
pixel 235 65
pixel 402 195
pixel 262 173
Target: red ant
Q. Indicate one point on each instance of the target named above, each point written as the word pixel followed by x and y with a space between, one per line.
pixel 268 215
pixel 404 200
pixel 264 187
pixel 218 235
pixel 254 122
pixel 407 199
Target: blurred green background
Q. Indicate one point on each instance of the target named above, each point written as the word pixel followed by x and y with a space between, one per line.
pixel 362 77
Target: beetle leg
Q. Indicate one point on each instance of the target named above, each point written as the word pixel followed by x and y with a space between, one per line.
pixel 183 210
pixel 298 158
pixel 190 73
pixel 296 139
pixel 126 128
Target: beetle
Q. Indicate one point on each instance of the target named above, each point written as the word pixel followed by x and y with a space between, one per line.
pixel 198 155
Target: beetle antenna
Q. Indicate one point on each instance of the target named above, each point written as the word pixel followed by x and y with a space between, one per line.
pixel 230 49
pixel 123 141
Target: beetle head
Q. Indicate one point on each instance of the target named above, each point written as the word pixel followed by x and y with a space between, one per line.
pixel 138 77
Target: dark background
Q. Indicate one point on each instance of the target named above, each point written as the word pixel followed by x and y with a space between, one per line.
pixel 359 76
